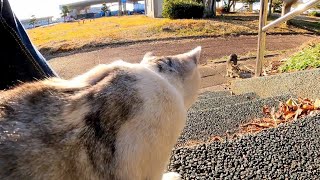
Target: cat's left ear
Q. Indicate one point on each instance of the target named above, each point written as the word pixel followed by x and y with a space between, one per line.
pixel 148 56
pixel 195 54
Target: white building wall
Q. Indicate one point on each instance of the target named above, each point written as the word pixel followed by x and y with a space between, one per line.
pixel 159 8
pixel 154 8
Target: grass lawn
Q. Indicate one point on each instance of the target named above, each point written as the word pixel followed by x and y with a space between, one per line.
pixel 307 58
pixel 72 36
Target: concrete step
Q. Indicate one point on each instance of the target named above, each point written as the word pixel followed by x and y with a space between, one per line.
pixel 290 151
pixel 203 124
pixel 217 102
pixel 213 94
pixel 302 83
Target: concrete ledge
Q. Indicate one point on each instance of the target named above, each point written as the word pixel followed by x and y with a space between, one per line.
pixel 211 94
pixel 203 104
pixel 302 83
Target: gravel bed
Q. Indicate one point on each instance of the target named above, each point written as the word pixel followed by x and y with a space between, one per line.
pixel 217 102
pixel 291 151
pixel 201 125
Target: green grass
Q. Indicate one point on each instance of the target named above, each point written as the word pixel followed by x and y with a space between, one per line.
pixel 308 58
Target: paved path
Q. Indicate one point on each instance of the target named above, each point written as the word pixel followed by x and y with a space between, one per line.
pixel 71 65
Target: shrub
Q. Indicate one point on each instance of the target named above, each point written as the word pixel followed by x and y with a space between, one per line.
pixel 182 9
pixel 314 13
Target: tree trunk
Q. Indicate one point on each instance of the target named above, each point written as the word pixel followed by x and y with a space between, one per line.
pixel 214 7
pixel 250 7
pixel 230 4
pixel 209 8
pixel 286 6
pixel 234 7
pixel 270 8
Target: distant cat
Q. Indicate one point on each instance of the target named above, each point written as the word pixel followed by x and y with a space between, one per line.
pixel 118 121
pixel 232 68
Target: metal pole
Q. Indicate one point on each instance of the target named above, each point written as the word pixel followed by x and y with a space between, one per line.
pixel 261 36
pixel 291 14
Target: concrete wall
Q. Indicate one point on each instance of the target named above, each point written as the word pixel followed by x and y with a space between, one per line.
pixel 154 8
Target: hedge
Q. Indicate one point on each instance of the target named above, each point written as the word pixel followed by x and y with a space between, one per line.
pixel 182 9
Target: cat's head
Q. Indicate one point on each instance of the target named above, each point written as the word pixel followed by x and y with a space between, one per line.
pixel 180 70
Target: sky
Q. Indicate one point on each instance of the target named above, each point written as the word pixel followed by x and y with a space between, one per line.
pixel 40 8
pixel 24 9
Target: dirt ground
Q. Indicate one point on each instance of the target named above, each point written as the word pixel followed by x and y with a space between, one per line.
pixel 213 48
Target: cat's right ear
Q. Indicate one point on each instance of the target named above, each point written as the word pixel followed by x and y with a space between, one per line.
pixel 147 56
pixel 195 54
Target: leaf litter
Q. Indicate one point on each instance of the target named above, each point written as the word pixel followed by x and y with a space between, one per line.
pixel 287 111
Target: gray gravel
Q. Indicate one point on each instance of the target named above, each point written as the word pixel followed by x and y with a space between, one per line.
pixel 291 151
pixel 217 102
pixel 302 83
pixel 201 125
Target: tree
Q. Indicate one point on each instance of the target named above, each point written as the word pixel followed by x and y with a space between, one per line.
pixel 64 12
pixel 105 8
pixel 250 2
pixel 229 4
pixel 270 8
pixel 209 8
pixel 277 4
pixel 33 20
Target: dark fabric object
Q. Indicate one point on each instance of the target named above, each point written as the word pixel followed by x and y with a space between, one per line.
pixel 20 61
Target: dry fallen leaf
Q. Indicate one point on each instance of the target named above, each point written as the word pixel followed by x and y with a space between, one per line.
pixel 266 110
pixel 317 104
pixel 289 116
pixel 290 102
pixel 298 113
pixel 307 107
pixel 288 111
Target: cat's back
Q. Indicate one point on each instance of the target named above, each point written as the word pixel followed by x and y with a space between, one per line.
pixel 27 114
pixel 41 122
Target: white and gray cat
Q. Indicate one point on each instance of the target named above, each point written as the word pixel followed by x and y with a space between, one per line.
pixel 118 121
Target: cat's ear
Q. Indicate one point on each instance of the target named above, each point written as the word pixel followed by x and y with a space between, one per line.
pixel 195 54
pixel 147 56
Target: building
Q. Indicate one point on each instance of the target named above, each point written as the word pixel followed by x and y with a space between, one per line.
pixel 43 21
pixel 80 8
pixel 153 8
